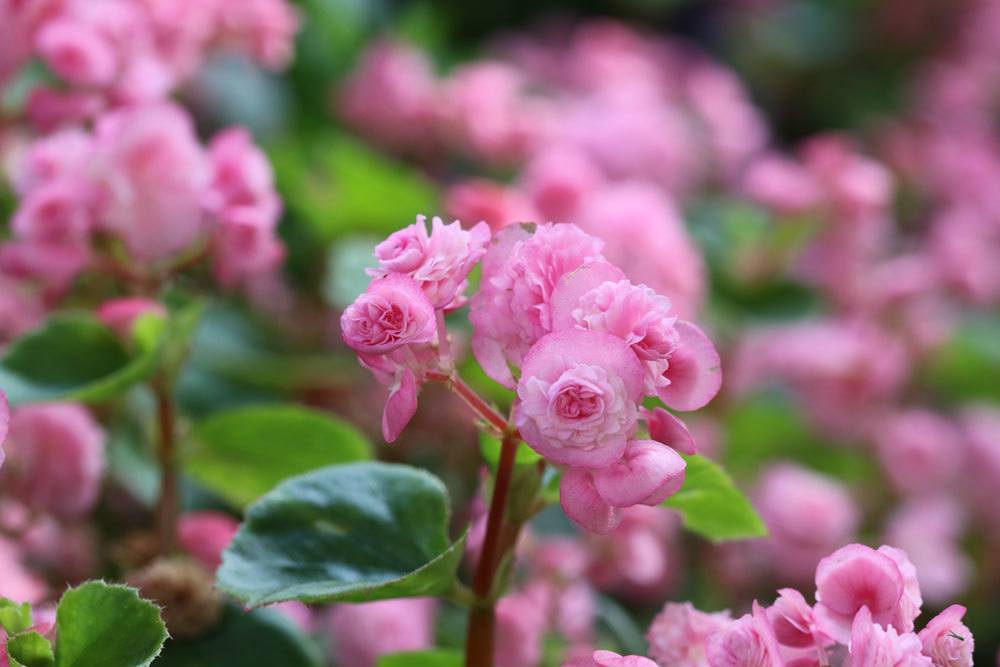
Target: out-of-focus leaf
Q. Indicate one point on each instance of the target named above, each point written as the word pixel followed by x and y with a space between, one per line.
pixel 101 625
pixel 490 449
pixel 14 617
pixel 620 626
pixel 345 270
pixel 432 658
pixel 712 506
pixel 354 532
pixel 30 650
pixel 259 637
pixel 243 453
pixel 967 367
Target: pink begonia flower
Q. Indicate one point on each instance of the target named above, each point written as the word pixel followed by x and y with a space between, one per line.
pixel 852 578
pixel 648 473
pixel 58 156
pixel 205 535
pixel 793 621
pixel 576 401
pixel 440 261
pixel 930 530
pixel 911 600
pixel 853 183
pixel 807 515
pixel 18 582
pixel 264 29
pixel 520 626
pixel 512 309
pixel 746 642
pixel 391 313
pixel 120 315
pixel 639 560
pixel 581 502
pixel 153 174
pixel 680 633
pixel 780 184
pixel 946 640
pixel 59 212
pixel 611 659
pixel 77 53
pixel 21 308
pixel 643 232
pixel 241 174
pixel 63 432
pixel 298 613
pixel 4 424
pixel 919 450
pixel 495 204
pixel 400 406
pixel 575 611
pixel 70 552
pixel 668 429
pixel 874 645
pixel 246 245
pixel 361 633
pixel 557 180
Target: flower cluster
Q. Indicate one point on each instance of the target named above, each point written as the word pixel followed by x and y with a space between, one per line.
pixel 587 345
pixel 867 601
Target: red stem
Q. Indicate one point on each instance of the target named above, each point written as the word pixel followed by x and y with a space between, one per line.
pixel 168 505
pixel 482 409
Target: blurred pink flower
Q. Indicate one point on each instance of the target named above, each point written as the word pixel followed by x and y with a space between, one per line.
pixel 746 642
pixel 557 181
pixel 520 625
pixel 679 634
pixel 120 315
pixel 481 200
pixel 77 53
pixel 929 529
pixel 361 633
pixel 920 450
pixel 875 645
pixel 205 535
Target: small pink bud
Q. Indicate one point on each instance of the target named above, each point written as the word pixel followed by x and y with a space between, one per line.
pixel 120 315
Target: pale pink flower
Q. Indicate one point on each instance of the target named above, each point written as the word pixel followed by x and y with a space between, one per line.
pixel 577 397
pixel 668 429
pixel 400 406
pixel 874 645
pixel 59 212
pixel 611 659
pixel 205 535
pixel 391 313
pixel 4 423
pixel 512 309
pixel 245 245
pixel 911 600
pixel 584 506
pixel 55 458
pixel 920 450
pixel 77 53
pixel 780 184
pixel 557 181
pixel 70 552
pixel 493 203
pixel 639 559
pixel 946 640
pixel 263 29
pixel 648 473
pixel 520 625
pixel 120 315
pixel 930 529
pixel 62 155
pixel 241 175
pixel 680 633
pixel 18 582
pixel 361 633
pixel 794 622
pixel 747 642
pixel 20 308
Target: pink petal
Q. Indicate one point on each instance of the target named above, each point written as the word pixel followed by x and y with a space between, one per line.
pixel 695 371
pixel 572 286
pixel 671 431
pixel 4 422
pixel 399 407
pixel 583 505
pixel 648 473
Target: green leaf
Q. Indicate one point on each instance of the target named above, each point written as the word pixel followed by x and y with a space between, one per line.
pixel 103 625
pixel 354 532
pixel 432 658
pixel 260 637
pixel 712 506
pixel 30 650
pixel 243 453
pixel 14 617
pixel 72 356
pixel 966 367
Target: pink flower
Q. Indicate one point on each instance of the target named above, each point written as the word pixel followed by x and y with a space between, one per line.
pixel 512 309
pixel 246 245
pixel 391 313
pixel 746 642
pixel 495 204
pixel 648 473
pixel 668 429
pixel 557 180
pixel 852 578
pixel 930 529
pixel 263 29
pixel 911 600
pixel 440 262
pixel 610 659
pixel 584 506
pixel 4 423
pixel 59 212
pixel 680 633
pixel 18 582
pixel 153 174
pixel 919 450
pixel 241 175
pixel 56 458
pixel 20 308
pixel 205 535
pixel 400 406
pixel 77 53
pixel 361 633
pixel 638 560
pixel 120 315
pixel 577 397
pixel 781 184
pixel 946 640
pixel 793 621
pixel 520 625
pixel 873 645
pixel 62 155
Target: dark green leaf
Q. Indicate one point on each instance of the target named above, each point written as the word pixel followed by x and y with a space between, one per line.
pixel 432 658
pixel 30 650
pixel 102 625
pixel 355 532
pixel 243 453
pixel 712 506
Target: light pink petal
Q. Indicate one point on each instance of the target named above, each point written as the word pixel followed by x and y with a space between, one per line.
pixel 490 355
pixel 583 505
pixel 695 371
pixel 399 407
pixel 649 471
pixel 4 422
pixel 572 286
pixel 668 429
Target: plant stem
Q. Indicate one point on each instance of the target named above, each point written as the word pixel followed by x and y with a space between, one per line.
pixel 479 642
pixel 168 505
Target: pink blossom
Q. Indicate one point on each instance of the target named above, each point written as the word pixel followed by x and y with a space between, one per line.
pixel 911 600
pixel 120 315
pixel 919 450
pixel 611 659
pixel 512 309
pixel 581 502
pixel 495 204
pixel 946 640
pixel 43 434
pixel 746 642
pixel 557 181
pixel 668 429
pixel 263 29
pixel 929 529
pixel 62 155
pixel 638 560
pixel 577 397
pixel 77 53
pixel 400 406
pixel 246 245
pixel 680 633
pixel 20 308
pixel 440 261
pixel 241 175
pixel 70 552
pixel 648 473
pixel 392 312
pixel 873 645
pixel 49 109
pixel 520 625
pixel 60 212
pixel 361 633
pixel 694 375
pixel 205 535
pixel 18 582
pixel 4 423
pixel 793 621
pixel 780 184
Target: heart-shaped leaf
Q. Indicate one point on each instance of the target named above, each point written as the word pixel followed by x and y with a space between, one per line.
pixel 712 506
pixel 353 532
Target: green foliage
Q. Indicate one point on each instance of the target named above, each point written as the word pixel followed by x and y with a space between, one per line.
pixel 354 532
pixel 712 506
pixel 103 625
pixel 259 637
pixel 72 356
pixel 244 452
pixel 968 366
pixel 14 617
pixel 30 650
pixel 433 658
